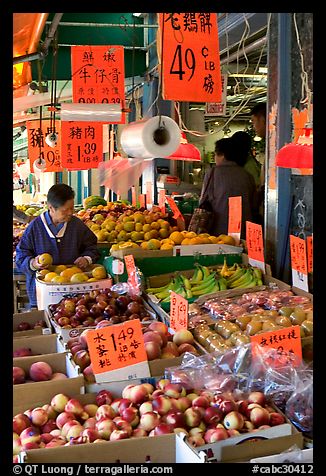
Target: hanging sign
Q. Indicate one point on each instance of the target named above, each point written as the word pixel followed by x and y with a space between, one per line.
pixel 174 208
pixel 299 263
pixel 118 352
pixel 82 145
pixel 309 254
pixel 235 215
pixel 188 48
pixel 218 108
pixel 255 245
pixel 286 343
pixel 178 312
pixel 38 148
pixel 161 200
pixel 98 75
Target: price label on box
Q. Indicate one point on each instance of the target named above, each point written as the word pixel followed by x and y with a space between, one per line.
pixel 278 348
pixel 299 263
pixel 255 245
pixel 178 312
pixel 131 269
pixel 118 352
pixel 235 217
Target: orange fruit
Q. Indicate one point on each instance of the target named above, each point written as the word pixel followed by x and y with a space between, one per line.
pixel 99 272
pixel 166 246
pixel 45 259
pixel 177 237
pixel 49 276
pixel 67 273
pixel 154 244
pixel 144 245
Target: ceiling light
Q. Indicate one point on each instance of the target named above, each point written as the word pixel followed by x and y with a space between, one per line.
pixel 262 69
pixel 257 139
pixel 137 15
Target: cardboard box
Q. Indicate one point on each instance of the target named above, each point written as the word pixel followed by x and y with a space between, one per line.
pixel 299 456
pixel 49 293
pixel 28 394
pixel 245 446
pixel 190 250
pixel 31 317
pixel 141 253
pixel 169 448
pixel 45 344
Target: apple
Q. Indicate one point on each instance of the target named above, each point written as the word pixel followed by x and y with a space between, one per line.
pixel 63 321
pixel 90 422
pixel 138 432
pixel 69 424
pixel 90 409
pixel 227 406
pixel 50 411
pixel 169 351
pixel 131 415
pixel 19 375
pixel 161 384
pixel 182 348
pixel 175 419
pixel 39 416
pixel 276 419
pixel 126 391
pixel 149 420
pixel 63 417
pixel 242 406
pixel 183 336
pixel 105 411
pixel 259 416
pixel 74 431
pixel 233 432
pixel 192 417
pixel 248 426
pixel 104 397
pixel 105 427
pixel 233 421
pixel 212 415
pixel 163 429
pixel 30 435
pixel 145 407
pixel 124 402
pixel 74 406
pixel 153 350
pixel 196 440
pixel 161 404
pixel 16 444
pixel 200 401
pixel 119 435
pixel 159 327
pixel 217 434
pixel 183 403
pixel 90 434
pixel 122 424
pixel 257 397
pixel 153 336
pixel 20 422
pixel 138 394
pixel 174 390
pixel 49 426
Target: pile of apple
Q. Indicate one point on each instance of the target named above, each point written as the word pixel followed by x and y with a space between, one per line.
pixel 142 410
pixel 89 309
pixel 159 344
pixel 38 372
pixel 26 326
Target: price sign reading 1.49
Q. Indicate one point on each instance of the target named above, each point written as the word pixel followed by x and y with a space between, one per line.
pixel 178 312
pixel 118 352
pixel 188 49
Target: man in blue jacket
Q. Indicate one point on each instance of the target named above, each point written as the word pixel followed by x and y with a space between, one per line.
pixel 57 232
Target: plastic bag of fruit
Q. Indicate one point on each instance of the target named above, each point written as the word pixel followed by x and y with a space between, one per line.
pixel 299 407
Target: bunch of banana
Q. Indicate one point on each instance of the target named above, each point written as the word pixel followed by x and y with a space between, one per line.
pixel 227 271
pixel 246 277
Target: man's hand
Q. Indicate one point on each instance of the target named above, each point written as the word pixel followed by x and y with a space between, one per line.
pixel 36 265
pixel 81 262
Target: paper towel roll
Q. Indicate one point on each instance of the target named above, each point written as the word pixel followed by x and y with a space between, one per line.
pixel 158 136
pixel 90 112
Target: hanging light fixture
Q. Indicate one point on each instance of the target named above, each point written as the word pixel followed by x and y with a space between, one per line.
pixel 185 151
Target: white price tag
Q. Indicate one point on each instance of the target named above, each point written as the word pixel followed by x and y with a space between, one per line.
pixel 118 266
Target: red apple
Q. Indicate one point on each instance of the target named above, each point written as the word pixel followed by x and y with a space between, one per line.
pixel 192 417
pixel 212 415
pixel 161 404
pixel 257 397
pixel 149 420
pixel 40 371
pixel 138 394
pixel 196 440
pixel 175 419
pixel 90 434
pixel 163 429
pixel 30 435
pixel 59 401
pixel 145 407
pixel 174 390
pixel 217 434
pixel 259 416
pixel 49 426
pixel 200 401
pixel 119 435
pixel 138 432
pixel 153 350
pixel 74 406
pixel 104 397
pixel 19 375
pixel 20 422
pixel 63 417
pixel 233 421
pixel 90 409
pixel 105 411
pixel 90 422
pixel 276 419
pixel 131 415
pixel 183 336
pixel 39 416
pixel 105 426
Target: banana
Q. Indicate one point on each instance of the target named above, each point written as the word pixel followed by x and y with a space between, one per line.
pixel 158 290
pixel 204 283
pixel 185 281
pixel 224 270
pixel 189 293
pixel 258 272
pixel 206 271
pixel 222 284
pixel 259 282
pixel 166 292
pixel 211 288
pixel 236 275
pixel 198 276
pixel 243 279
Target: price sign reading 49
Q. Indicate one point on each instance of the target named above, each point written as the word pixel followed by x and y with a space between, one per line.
pixel 178 312
pixel 118 352
pixel 188 48
pixel 38 148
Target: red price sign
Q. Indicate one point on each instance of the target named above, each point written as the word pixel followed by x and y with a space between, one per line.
pixel 298 254
pixel 142 200
pixel 235 214
pixel 254 238
pixel 178 312
pixel 98 75
pixel 149 189
pixel 38 148
pixel 117 347
pixel 174 208
pixel 188 48
pixel 310 253
pixel 133 196
pixel 161 200
pixel 285 342
pixel 82 144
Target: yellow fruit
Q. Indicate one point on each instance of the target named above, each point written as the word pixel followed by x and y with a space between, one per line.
pixel 99 272
pixel 95 227
pixel 78 278
pixel 127 219
pixel 147 236
pixel 163 232
pixel 154 244
pixel 213 239
pixel 229 240
pixel 129 226
pixel 49 276
pixel 119 227
pixel 139 217
pixel 177 237
pixel 221 237
pixel 155 225
pixel 191 234
pixel 184 232
pixel 186 241
pixel 193 241
pixel 138 227
pixel 122 236
pixel 43 272
pixel 135 236
pixel 91 280
pixel 67 273
pixel 154 234
pixel 101 235
pixel 110 226
pixel 114 247
pixel 166 246
pixel 146 227
pixel 45 259
pixel 165 224
pixel 59 268
pixel 144 245
pixel 59 280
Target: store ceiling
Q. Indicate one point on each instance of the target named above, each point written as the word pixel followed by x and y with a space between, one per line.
pixel 241 39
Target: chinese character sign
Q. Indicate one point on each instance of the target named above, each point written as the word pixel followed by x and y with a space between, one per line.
pixel 115 347
pixel 235 217
pixel 38 148
pixel 218 108
pixel 82 144
pixel 299 262
pixel 189 55
pixel 98 75
pixel 178 312
pixel 310 253
pixel 286 343
pixel 174 208
pixel 255 245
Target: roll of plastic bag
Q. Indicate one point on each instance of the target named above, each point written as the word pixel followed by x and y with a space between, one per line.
pixel 158 136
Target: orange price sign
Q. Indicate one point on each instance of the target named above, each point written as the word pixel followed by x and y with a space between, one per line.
pixel 188 48
pixel 255 245
pixel 98 75
pixel 118 352
pixel 149 189
pixel 133 196
pixel 142 200
pixel 178 312
pixel 299 262
pixel 38 148
pixel 310 254
pixel 161 200
pixel 235 215
pixel 279 347
pixel 174 208
pixel 82 144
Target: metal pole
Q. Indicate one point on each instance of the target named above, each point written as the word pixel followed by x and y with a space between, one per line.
pixel 53 28
pixel 105 25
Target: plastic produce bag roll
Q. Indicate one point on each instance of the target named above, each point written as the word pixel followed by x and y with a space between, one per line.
pixel 158 136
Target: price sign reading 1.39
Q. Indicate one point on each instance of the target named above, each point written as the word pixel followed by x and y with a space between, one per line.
pixel 82 144
pixel 118 352
pixel 178 312
pixel 188 49
pixel 98 75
